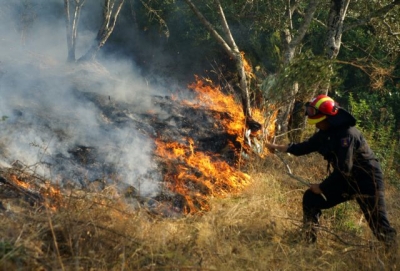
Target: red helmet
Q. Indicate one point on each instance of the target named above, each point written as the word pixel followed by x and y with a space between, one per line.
pixel 320 107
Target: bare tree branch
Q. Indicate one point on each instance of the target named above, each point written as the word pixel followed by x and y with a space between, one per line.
pixel 314 19
pixel 390 31
pixel 210 28
pixel 225 27
pixel 161 21
pixel 309 15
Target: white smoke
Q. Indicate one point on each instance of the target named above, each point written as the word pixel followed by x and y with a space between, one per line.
pixel 44 113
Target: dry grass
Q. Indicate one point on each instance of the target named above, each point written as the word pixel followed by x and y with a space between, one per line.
pixel 258 229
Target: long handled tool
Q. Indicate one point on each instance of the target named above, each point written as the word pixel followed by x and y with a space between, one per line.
pixel 289 172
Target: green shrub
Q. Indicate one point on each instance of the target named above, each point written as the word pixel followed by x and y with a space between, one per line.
pixel 376 120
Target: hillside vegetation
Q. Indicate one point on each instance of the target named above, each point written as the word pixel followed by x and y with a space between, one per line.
pixel 81 114
pixel 258 229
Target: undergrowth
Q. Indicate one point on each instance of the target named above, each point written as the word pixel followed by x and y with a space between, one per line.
pixel 258 229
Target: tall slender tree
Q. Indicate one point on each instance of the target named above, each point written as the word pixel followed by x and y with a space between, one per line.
pixel 72 11
pixel 292 38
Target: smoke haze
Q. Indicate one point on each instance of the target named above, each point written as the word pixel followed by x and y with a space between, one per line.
pixel 51 111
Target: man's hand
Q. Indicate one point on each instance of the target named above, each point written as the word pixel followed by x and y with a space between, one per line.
pixel 315 188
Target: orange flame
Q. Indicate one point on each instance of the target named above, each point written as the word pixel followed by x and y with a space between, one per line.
pixel 212 97
pixel 194 174
pixel 198 175
pixel 51 194
pixel 22 184
pixel 247 67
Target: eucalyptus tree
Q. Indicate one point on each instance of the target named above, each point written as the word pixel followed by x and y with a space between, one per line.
pixel 292 36
pixel 284 24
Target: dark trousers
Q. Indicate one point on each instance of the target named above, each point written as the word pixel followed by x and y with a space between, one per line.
pixel 366 187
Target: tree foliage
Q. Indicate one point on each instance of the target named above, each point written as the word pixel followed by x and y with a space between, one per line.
pixel 307 70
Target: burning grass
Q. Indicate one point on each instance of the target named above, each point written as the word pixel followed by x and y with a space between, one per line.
pixel 248 221
pixel 258 229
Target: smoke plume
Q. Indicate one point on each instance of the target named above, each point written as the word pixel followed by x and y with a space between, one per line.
pixel 64 121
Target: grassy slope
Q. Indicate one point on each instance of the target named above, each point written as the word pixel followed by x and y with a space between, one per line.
pixel 256 230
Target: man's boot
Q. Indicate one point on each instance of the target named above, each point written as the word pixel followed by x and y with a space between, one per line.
pixel 310 233
pixel 310 220
pixel 391 246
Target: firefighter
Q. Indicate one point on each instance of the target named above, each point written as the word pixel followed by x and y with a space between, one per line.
pixel 355 172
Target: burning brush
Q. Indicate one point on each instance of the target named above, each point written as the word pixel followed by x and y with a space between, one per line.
pixel 199 149
pixel 196 171
pixel 15 183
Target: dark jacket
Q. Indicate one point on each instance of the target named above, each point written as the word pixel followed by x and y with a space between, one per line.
pixel 343 146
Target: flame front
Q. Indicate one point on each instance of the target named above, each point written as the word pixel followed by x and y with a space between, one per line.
pixel 197 175
pixel 194 174
pixel 212 98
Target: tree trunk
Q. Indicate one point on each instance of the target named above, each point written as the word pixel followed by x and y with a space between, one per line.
pixel 72 25
pixel 291 43
pixel 337 14
pixel 244 87
pixel 110 15
pixel 297 122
